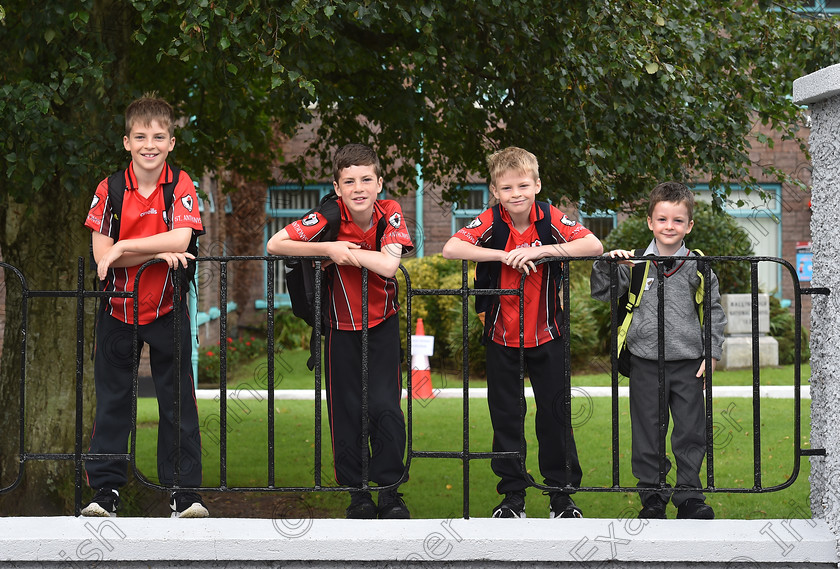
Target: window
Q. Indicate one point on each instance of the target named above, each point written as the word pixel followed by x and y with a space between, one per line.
pixel 600 222
pixel 827 6
pixel 284 205
pixel 470 207
pixel 762 220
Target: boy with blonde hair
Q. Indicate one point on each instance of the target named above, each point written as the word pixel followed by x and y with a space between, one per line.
pixel 509 237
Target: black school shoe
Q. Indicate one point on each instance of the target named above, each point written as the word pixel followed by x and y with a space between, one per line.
pixel 392 506
pixel 361 507
pixel 561 505
pixel 653 508
pixel 187 505
pixel 105 504
pixel 512 506
pixel 695 509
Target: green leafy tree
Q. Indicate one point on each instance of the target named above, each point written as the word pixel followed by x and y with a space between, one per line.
pixel 610 96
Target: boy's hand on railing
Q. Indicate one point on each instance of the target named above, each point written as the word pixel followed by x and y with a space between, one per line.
pixel 175 259
pixel 622 254
pixel 522 259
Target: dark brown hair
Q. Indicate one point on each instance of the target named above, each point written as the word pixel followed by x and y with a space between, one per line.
pixel 672 192
pixel 355 155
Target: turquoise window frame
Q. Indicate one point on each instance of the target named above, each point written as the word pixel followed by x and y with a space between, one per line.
pixel 469 213
pixel 820 8
pixel 273 212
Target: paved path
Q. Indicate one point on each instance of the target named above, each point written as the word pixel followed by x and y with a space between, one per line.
pixel 768 391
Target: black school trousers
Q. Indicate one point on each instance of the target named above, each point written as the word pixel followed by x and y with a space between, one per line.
pixel 386 423
pixel 113 370
pixel 545 366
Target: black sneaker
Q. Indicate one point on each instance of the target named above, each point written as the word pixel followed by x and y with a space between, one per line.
pixel 512 506
pixel 561 505
pixel 392 506
pixel 695 509
pixel 361 507
pixel 187 505
pixel 653 508
pixel 105 504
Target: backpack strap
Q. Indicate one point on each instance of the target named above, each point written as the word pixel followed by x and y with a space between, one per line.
pixel 631 299
pixel 700 293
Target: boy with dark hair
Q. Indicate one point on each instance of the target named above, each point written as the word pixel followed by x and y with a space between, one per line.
pixel 139 231
pixel 515 182
pixel 357 179
pixel 670 218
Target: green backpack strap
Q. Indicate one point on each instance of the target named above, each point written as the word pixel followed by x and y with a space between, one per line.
pixel 700 293
pixel 634 296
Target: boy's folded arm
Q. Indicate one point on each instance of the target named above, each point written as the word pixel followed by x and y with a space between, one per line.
pixel 102 244
pixel 457 248
pixel 385 262
pixel 282 244
pixel 586 246
pixel 172 241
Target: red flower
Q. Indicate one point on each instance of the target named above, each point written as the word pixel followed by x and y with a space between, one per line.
pixel 230 340
pixel 210 354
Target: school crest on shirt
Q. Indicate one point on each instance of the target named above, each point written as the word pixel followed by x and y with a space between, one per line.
pixel 187 202
pixel 567 221
pixel 395 220
pixel 474 223
pixel 310 220
pixel 94 201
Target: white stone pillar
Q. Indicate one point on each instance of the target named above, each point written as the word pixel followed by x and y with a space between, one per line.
pixel 821 92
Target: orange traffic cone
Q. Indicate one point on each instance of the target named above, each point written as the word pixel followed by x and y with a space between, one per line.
pixel 421 375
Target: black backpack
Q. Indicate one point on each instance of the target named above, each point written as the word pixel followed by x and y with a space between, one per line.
pixel 300 273
pixel 487 273
pixel 116 191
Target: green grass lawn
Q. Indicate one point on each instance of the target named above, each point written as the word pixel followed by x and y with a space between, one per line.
pixel 436 486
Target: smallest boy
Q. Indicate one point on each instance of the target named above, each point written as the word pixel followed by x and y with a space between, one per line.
pixel 670 218
pixel 357 180
pixel 515 183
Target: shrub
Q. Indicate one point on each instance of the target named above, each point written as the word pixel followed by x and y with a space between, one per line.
pixel 782 327
pixel 239 350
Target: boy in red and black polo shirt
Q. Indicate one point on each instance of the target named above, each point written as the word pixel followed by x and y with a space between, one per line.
pixel 357 180
pixel 515 182
pixel 146 231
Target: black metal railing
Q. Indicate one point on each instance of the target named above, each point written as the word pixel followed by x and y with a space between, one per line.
pixel 465 454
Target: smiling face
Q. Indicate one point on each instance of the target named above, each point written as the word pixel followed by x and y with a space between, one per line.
pixel 149 146
pixel 357 186
pixel 670 223
pixel 516 192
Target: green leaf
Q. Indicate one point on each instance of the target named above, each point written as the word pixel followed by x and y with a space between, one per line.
pixel 49 36
pixel 651 67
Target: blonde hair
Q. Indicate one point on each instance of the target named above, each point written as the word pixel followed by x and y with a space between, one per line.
pixel 514 159
pixel 150 108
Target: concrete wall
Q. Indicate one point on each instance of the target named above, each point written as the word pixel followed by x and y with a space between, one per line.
pixel 821 92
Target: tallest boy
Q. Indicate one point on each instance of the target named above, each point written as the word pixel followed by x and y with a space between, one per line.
pixel 124 238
